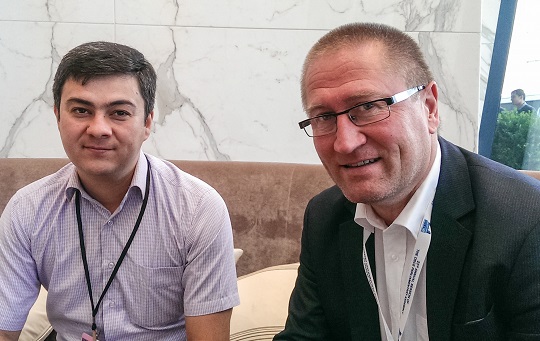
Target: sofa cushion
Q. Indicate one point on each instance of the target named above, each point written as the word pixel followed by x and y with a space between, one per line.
pixel 37 326
pixel 237 254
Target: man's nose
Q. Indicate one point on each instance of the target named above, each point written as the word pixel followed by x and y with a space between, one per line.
pixel 99 126
pixel 348 135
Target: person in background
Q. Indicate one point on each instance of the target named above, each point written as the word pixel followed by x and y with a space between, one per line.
pixel 518 100
pixel 419 239
pixel 128 246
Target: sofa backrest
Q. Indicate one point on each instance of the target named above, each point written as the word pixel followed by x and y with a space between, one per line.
pixel 266 201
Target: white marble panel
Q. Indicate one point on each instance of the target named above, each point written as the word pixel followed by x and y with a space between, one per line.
pixel 144 12
pixel 82 11
pixel 226 94
pixel 228 71
pixel 409 15
pixel 236 95
pixel 30 54
pixel 490 14
pixel 458 82
pixel 489 17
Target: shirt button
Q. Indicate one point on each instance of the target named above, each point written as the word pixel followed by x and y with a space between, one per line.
pixel 109 222
pixel 111 304
pixel 394 257
pixel 111 265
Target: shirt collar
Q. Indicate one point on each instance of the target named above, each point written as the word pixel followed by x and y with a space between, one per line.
pixel 413 213
pixel 138 180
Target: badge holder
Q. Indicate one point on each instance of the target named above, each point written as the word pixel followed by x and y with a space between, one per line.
pixel 86 337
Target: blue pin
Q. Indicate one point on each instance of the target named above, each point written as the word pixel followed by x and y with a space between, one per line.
pixel 425 227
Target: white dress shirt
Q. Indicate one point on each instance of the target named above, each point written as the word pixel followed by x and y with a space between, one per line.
pixel 394 246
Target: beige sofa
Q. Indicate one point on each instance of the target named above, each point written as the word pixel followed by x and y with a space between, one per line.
pixel 266 202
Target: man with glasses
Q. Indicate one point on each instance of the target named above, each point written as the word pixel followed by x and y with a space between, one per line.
pixel 420 239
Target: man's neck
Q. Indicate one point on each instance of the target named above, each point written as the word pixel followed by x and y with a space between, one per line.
pixel 109 193
pixel 389 213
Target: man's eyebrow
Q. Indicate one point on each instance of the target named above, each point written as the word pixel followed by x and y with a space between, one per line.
pixel 77 100
pixel 364 97
pixel 314 108
pixel 351 100
pixel 121 102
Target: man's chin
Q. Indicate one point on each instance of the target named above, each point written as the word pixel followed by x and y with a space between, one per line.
pixel 95 168
pixel 361 194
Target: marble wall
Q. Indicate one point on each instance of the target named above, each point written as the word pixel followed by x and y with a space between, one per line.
pixel 490 14
pixel 228 70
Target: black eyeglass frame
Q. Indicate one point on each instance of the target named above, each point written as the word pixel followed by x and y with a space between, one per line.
pixel 399 97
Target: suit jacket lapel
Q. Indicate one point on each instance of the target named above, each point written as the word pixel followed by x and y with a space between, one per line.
pixel 452 231
pixel 450 240
pixel 363 311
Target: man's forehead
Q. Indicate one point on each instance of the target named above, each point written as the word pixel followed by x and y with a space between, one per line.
pixel 84 79
pixel 120 88
pixel 375 47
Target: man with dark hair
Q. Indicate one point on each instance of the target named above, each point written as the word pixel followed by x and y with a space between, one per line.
pixel 518 99
pixel 128 246
pixel 419 239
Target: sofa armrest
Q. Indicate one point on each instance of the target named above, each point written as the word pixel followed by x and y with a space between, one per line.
pixel 37 326
pixel 264 301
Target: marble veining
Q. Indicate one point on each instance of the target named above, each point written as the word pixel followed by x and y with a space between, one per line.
pixel 228 71
pixel 169 99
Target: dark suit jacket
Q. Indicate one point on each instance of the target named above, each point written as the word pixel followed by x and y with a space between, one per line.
pixel 483 263
pixel 526 108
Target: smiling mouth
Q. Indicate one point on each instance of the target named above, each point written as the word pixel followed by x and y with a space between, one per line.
pixel 97 148
pixel 362 163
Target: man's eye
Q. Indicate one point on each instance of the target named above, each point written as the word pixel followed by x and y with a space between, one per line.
pixel 323 118
pixel 121 113
pixel 367 106
pixel 80 111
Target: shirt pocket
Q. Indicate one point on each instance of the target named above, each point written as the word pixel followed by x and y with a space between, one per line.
pixel 155 298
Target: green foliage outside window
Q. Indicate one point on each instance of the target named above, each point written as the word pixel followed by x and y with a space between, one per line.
pixel 517 140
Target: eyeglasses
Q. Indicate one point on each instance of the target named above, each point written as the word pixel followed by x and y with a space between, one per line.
pixel 360 115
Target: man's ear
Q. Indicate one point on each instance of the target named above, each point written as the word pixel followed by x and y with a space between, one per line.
pixel 148 123
pixel 431 96
pixel 56 113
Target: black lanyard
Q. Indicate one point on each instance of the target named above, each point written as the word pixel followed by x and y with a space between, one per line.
pixel 124 251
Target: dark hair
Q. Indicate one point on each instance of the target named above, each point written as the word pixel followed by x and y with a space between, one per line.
pixel 519 93
pixel 100 58
pixel 403 55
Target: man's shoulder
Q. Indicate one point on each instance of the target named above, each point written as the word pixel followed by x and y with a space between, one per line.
pixel 495 175
pixel 331 202
pixel 526 108
pixel 53 183
pixel 492 186
pixel 333 194
pixel 171 176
